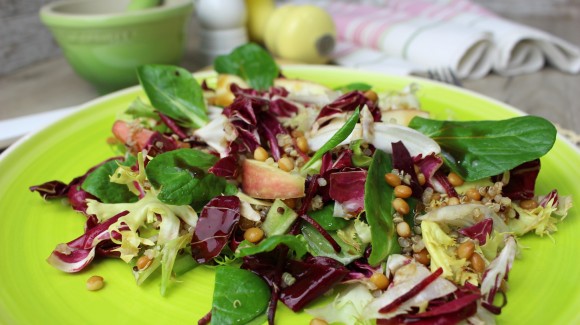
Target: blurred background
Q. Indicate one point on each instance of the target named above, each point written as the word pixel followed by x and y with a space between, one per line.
pixel 24 40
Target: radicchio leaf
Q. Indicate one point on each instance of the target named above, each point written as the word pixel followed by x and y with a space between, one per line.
pixel 552 196
pixel 360 269
pixel 495 272
pixel 440 181
pixel 455 310
pixel 172 125
pixel 76 196
pixel 428 165
pixel 214 227
pixel 314 276
pixel 348 189
pixel 52 189
pixel 479 231
pixel 158 144
pixel 244 114
pixel 414 291
pixel 522 181
pixel 346 103
pixel 403 161
pixel 269 128
pixel 78 253
pixel 225 167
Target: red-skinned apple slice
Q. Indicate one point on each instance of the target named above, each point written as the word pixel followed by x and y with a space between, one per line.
pixel 262 181
pixel 135 137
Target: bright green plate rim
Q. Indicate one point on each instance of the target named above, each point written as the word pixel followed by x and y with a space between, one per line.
pixel 543 282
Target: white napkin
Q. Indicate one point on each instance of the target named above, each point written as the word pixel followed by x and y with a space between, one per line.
pixel 411 36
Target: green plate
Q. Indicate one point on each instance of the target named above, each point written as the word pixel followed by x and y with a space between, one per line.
pixel 543 282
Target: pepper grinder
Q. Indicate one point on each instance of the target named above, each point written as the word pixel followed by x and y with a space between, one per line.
pixel 222 27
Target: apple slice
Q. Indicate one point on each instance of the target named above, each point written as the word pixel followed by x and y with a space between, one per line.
pixel 135 137
pixel 263 181
pixel 402 116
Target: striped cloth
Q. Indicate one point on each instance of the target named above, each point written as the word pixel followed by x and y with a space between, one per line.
pixel 407 36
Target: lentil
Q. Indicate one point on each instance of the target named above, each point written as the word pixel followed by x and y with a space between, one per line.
pixel 453 201
pixel 401 206
pixel 473 194
pixel 286 164
pixel 528 204
pixel 95 283
pixel 466 249
pixel 455 179
pixel 260 154
pixel 318 321
pixel 477 263
pixel 403 191
pixel 143 262
pixel 380 280
pixel 403 229
pixel 371 95
pixel 422 257
pixel 421 178
pixel 254 234
pixel 302 144
pixel 393 179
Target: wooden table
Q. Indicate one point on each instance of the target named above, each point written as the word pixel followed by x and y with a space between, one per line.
pixel 554 95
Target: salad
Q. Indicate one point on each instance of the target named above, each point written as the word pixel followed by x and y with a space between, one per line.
pixel 348 204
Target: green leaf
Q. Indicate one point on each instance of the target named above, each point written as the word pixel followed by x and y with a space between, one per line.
pixel 182 178
pixel 238 296
pixel 295 243
pixel 479 149
pixel 98 183
pixel 252 63
pixel 138 108
pixel 379 211
pixel 326 219
pixel 174 92
pixel 319 246
pixel 359 159
pixel 361 86
pixel 335 140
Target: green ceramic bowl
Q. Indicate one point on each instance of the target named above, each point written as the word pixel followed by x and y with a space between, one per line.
pixel 104 41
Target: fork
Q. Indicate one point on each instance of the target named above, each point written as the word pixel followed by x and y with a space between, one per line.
pixel 445 75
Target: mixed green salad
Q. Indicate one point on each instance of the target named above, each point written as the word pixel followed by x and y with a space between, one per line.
pixel 297 193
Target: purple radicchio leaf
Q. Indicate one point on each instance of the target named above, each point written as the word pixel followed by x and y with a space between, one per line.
pixel 479 231
pixel 403 161
pixel 225 167
pixel 172 125
pixel 413 292
pixel 244 114
pixel 348 188
pixel 359 269
pixel 495 272
pixel 158 144
pixel 78 253
pixel 278 104
pixel 441 182
pixel 522 181
pixel 428 165
pixel 76 196
pixel 282 107
pixel 269 128
pixel 314 276
pixel 552 196
pixel 214 227
pixel 451 312
pixel 346 103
